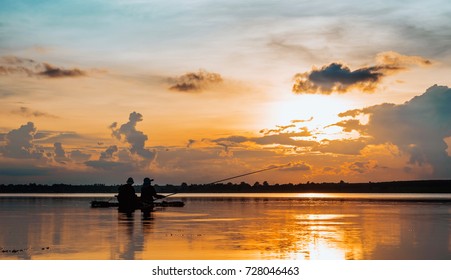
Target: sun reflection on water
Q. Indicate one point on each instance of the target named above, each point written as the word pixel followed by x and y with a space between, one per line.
pixel 228 228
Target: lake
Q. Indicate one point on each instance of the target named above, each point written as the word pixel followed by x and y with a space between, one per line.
pixel 230 227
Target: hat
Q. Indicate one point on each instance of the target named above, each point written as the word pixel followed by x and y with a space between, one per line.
pixel 130 180
pixel 147 180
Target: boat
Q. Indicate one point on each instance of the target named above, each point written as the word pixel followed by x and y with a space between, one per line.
pixel 163 203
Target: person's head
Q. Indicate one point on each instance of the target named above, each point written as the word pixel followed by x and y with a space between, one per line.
pixel 147 181
pixel 130 181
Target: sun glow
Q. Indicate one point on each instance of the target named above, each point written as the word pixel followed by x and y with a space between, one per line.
pixel 316 112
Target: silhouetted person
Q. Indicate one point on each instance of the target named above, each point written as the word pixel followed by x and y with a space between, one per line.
pixel 128 201
pixel 148 195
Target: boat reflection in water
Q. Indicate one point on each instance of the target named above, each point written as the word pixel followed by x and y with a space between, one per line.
pixel 231 226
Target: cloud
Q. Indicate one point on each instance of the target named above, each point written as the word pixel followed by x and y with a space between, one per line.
pixel 297 166
pixel 9 70
pixel 14 60
pixel 350 113
pixel 22 171
pixel 27 112
pixel 402 61
pixel 279 138
pixel 195 82
pixel 190 143
pixel 288 129
pixel 79 156
pixel 10 65
pixel 418 128
pixel 56 72
pixel 337 77
pixel 108 165
pixel 60 154
pixel 136 139
pixel 108 160
pixel 360 166
pixel 283 139
pixel 273 139
pixel 349 125
pixel 280 128
pixel 302 121
pixel 19 143
pixel 346 147
pixel 108 154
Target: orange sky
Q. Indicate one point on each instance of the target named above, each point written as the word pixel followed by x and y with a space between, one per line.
pixel 196 93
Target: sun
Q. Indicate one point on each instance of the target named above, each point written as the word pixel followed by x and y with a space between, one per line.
pixel 312 111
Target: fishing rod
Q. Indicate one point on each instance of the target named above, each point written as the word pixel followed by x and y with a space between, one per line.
pixel 237 176
pixel 249 173
pixel 164 196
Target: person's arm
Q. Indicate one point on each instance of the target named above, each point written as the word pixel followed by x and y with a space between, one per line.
pixel 155 195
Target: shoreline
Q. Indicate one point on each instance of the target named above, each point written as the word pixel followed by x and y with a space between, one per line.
pixel 424 186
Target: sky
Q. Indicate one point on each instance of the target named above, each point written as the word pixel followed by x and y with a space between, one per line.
pixel 196 91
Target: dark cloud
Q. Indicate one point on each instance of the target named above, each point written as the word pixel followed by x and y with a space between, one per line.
pixel 15 65
pixel 24 171
pixel 19 143
pixel 27 112
pixel 56 72
pixel 349 125
pixel 337 77
pixel 108 154
pixel 417 127
pixel 108 160
pixel 108 165
pixel 362 166
pixel 190 143
pixel 195 82
pixel 136 139
pixel 60 154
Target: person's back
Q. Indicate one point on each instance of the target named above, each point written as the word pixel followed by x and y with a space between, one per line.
pixel 148 192
pixel 126 197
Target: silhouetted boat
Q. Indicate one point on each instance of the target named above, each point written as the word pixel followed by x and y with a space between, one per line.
pixel 107 204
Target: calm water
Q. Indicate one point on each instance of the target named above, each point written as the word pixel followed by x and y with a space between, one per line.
pixel 230 226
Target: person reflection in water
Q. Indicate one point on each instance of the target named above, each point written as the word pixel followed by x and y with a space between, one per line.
pixel 128 201
pixel 148 195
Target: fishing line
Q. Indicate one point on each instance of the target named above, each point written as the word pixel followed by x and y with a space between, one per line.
pixel 242 175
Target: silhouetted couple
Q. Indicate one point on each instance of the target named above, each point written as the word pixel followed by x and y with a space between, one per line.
pixel 129 201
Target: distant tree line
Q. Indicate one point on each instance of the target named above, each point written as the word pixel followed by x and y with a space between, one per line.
pixel 426 186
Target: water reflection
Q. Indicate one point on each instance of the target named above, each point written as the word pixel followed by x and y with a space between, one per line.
pixel 227 228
